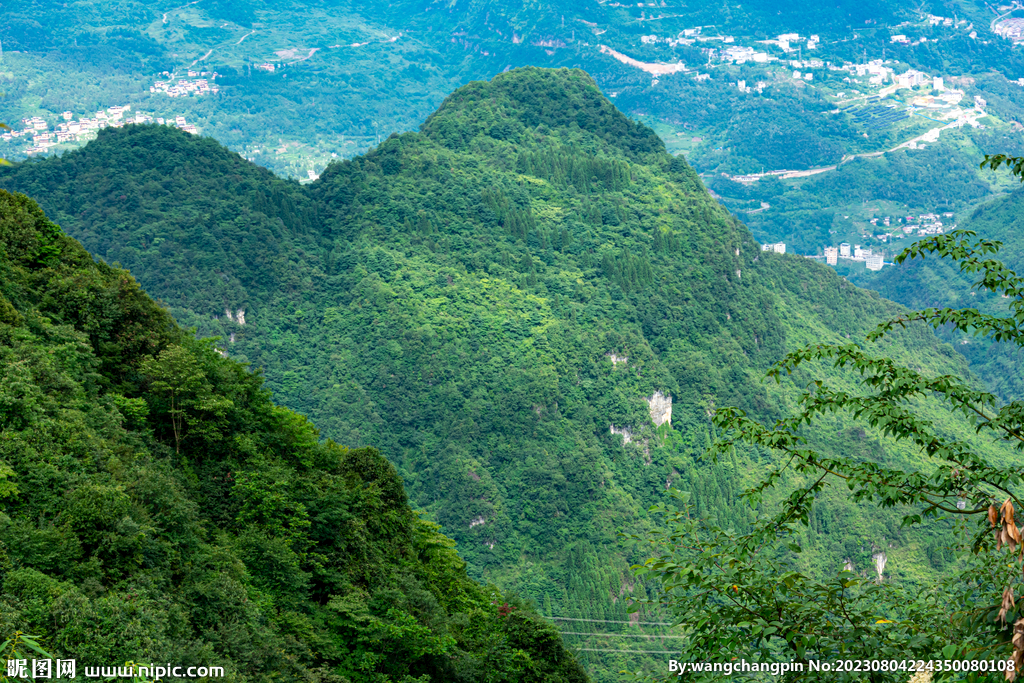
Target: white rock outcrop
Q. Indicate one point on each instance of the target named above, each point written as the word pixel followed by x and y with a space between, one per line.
pixel 241 316
pixel 626 432
pixel 476 522
pixel 880 562
pixel 661 408
pixel 616 359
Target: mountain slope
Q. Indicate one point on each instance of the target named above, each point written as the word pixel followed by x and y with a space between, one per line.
pixel 921 284
pixel 156 506
pixel 503 302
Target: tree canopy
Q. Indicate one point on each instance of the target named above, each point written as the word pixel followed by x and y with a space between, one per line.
pixel 737 589
pixel 156 505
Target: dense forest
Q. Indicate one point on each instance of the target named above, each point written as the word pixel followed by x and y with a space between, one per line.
pixel 921 284
pixel 496 302
pixel 156 506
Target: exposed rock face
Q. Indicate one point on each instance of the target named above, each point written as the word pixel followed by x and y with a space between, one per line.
pixel 880 561
pixel 227 314
pixel 616 359
pixel 627 433
pixel 661 408
pixel 849 565
pixel 241 316
pixel 476 522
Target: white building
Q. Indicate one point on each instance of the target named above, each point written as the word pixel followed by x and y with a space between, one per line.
pixel 937 84
pixel 912 78
pixel 844 250
pixel 873 262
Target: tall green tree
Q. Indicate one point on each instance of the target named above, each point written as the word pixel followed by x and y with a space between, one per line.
pixel 185 396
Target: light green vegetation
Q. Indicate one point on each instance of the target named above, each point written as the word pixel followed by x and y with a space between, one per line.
pixel 744 597
pixel 454 298
pixel 155 505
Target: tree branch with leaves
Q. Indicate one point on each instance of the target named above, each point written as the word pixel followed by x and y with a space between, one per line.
pixel 736 593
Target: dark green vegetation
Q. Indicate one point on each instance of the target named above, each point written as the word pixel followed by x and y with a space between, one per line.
pixel 156 506
pixel 746 601
pixel 455 298
pixel 921 284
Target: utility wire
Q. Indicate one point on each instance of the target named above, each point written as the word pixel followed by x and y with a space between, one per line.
pixel 616 635
pixel 606 621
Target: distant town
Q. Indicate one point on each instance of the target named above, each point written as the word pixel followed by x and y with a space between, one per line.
pixel 40 136
pixel 871 260
pixel 71 130
pixel 183 87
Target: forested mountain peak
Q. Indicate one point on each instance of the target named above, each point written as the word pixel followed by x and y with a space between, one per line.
pixel 555 102
pixel 505 303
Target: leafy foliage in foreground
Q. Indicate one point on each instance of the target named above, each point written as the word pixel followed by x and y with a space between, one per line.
pixel 940 283
pixel 155 505
pixel 763 607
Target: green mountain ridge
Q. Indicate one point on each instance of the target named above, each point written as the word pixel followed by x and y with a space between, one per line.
pixel 347 75
pixel 156 506
pixel 492 302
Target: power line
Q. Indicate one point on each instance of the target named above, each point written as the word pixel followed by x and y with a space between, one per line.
pixel 632 652
pixel 616 635
pixel 606 621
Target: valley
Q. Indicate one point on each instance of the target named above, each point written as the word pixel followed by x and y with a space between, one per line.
pixel 525 254
pixel 529 305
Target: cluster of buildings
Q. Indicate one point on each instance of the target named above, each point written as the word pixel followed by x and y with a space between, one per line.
pixel 790 42
pixel 183 87
pixel 871 260
pixel 743 87
pixel 68 129
pixel 874 70
pixel 737 54
pixel 741 55
pixel 778 247
pixel 1011 29
pixel 924 224
pixel 943 96
pixel 933 20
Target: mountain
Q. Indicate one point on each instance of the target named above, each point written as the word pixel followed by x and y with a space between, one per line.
pixel 529 306
pixel 295 85
pixel 921 284
pixel 156 506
